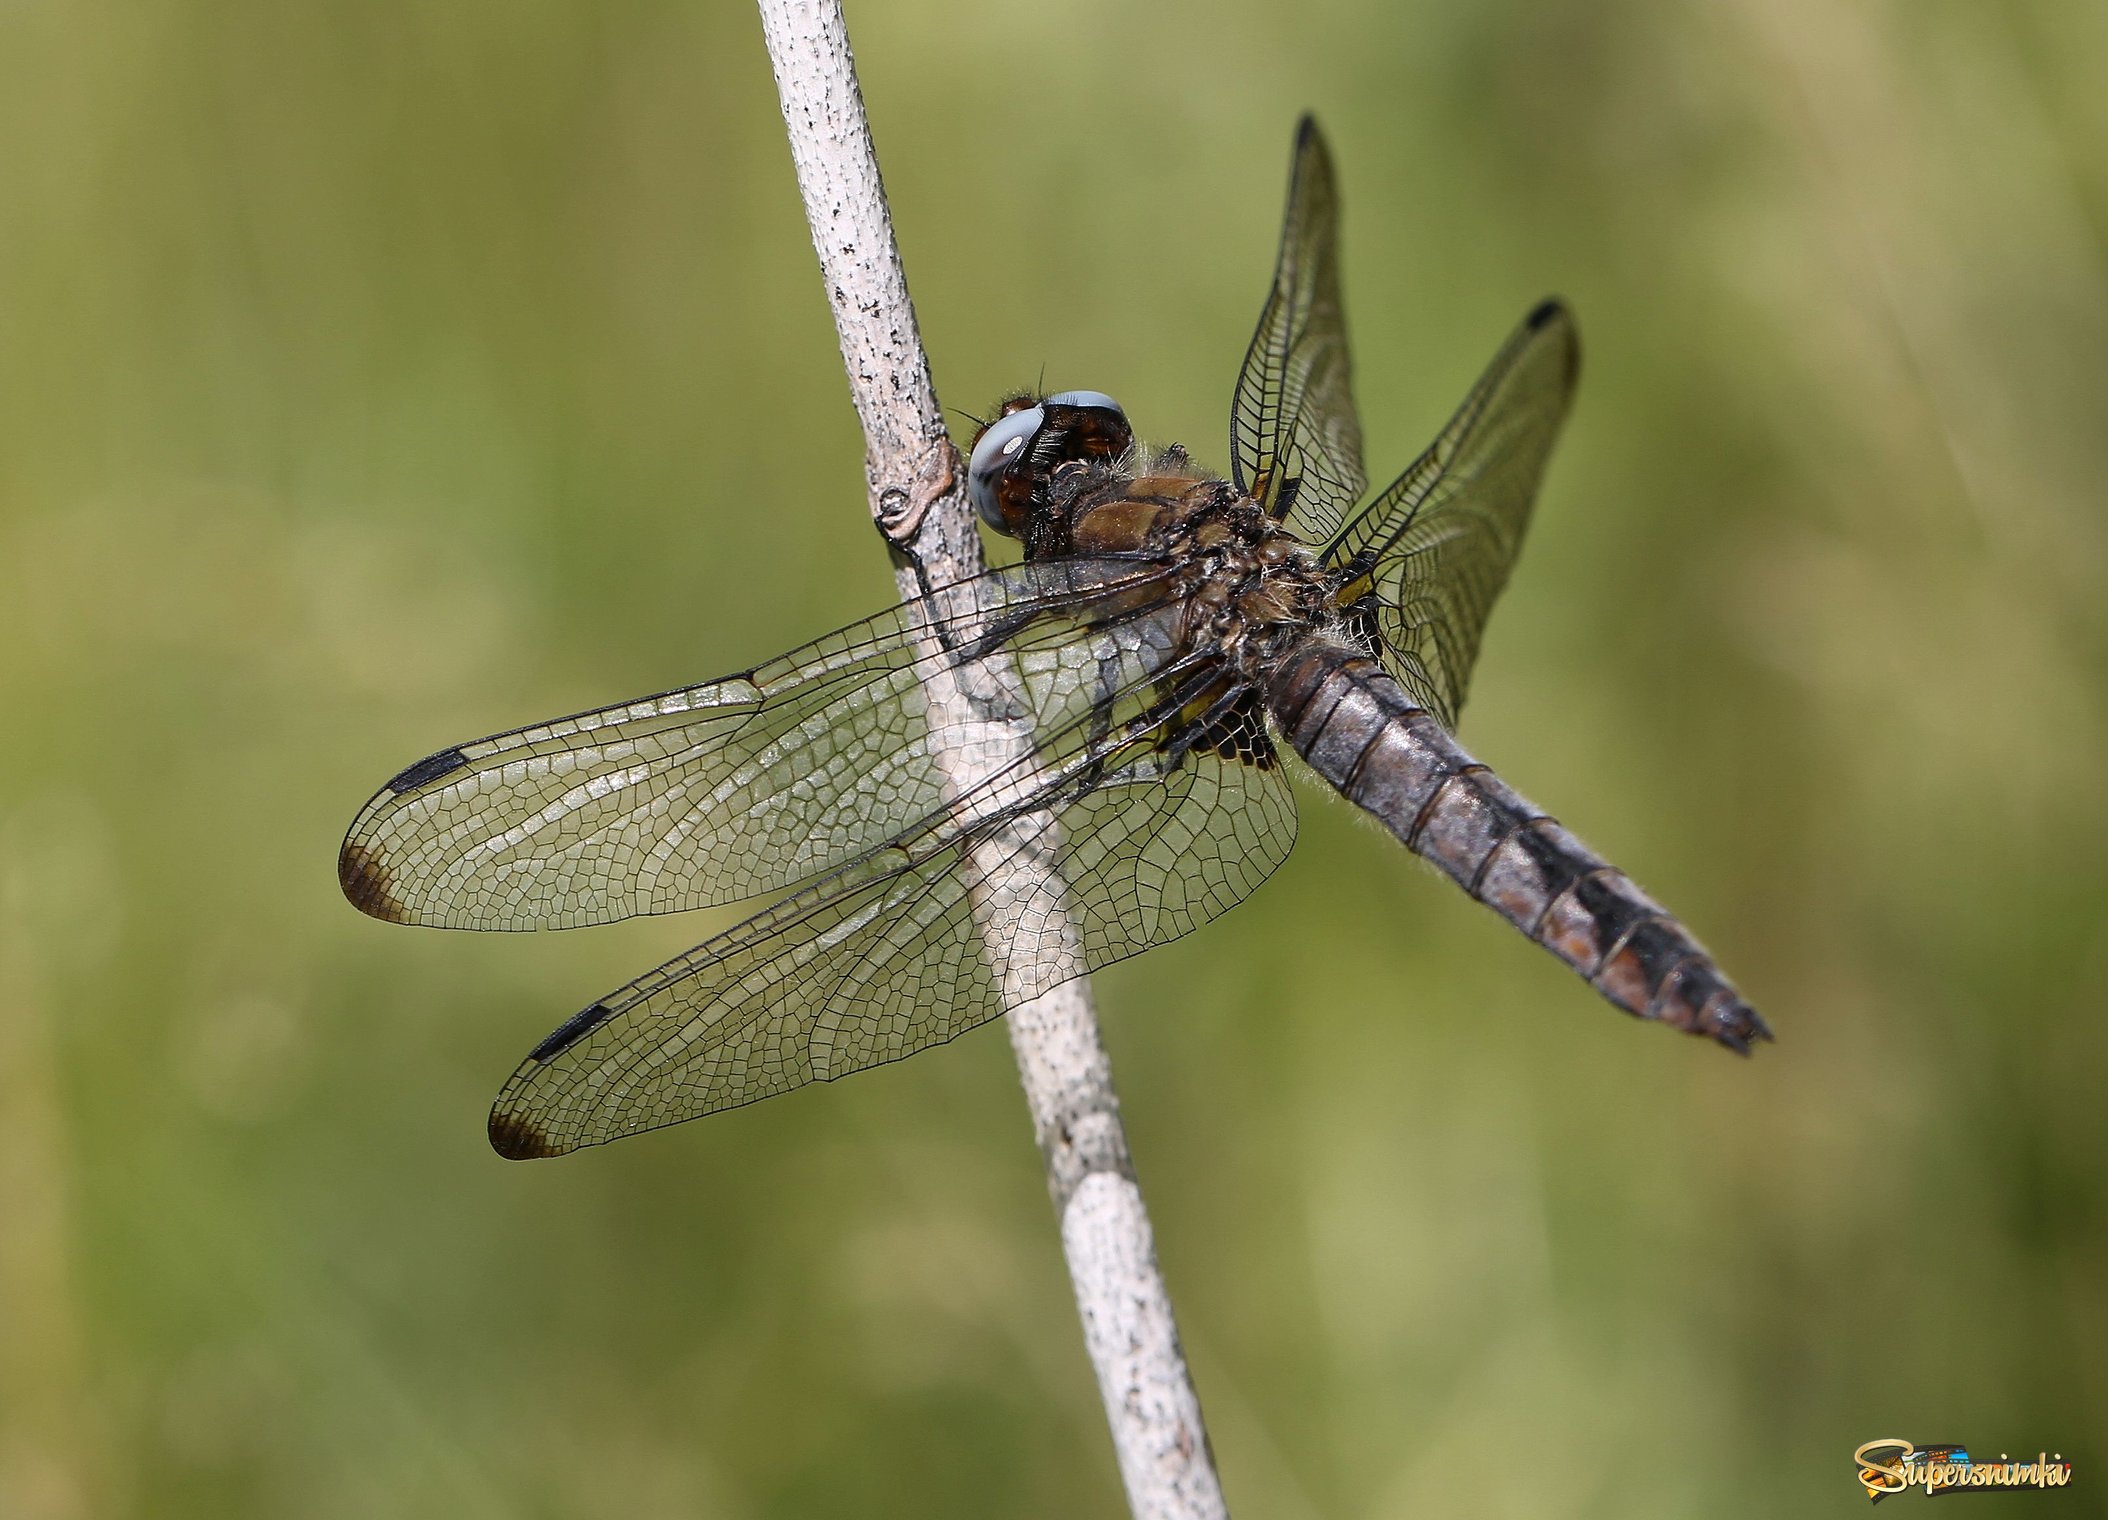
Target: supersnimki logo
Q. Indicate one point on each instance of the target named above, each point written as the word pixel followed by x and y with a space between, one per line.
pixel 1892 1467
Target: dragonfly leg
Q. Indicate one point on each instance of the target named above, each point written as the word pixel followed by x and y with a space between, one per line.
pixel 900 511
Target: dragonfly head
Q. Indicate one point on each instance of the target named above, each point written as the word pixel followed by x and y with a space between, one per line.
pixel 1014 455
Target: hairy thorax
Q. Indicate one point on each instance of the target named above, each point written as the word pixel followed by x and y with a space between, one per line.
pixel 1249 589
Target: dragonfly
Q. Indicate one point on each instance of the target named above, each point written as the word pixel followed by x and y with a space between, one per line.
pixel 1166 635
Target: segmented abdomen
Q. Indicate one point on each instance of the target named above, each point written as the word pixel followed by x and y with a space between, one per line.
pixel 1359 730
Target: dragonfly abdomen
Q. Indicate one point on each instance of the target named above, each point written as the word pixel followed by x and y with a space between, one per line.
pixel 1361 731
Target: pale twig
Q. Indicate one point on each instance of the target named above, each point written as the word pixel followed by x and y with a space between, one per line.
pixel 915 482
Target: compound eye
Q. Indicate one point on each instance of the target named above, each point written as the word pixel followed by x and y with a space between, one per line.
pixel 994 452
pixel 1096 400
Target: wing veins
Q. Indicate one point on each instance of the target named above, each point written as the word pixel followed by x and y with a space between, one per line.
pixel 741 1001
pixel 582 819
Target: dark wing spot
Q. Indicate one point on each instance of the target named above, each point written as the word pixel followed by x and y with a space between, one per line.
pixel 1291 488
pixel 1234 733
pixel 517 1139
pixel 571 1030
pixel 429 769
pixel 365 882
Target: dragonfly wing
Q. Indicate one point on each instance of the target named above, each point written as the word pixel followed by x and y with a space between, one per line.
pixel 1295 442
pixel 1439 542
pixel 716 792
pixel 1106 842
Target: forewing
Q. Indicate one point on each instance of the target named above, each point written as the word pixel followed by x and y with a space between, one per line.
pixel 1105 846
pixel 1295 442
pixel 715 792
pixel 1440 541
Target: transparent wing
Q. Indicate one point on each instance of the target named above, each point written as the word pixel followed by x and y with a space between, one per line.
pixel 1438 544
pixel 888 955
pixel 716 792
pixel 1295 443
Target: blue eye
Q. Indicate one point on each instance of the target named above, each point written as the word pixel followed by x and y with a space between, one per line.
pixel 1097 400
pixel 993 454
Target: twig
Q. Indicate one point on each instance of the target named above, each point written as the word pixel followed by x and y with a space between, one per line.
pixel 915 485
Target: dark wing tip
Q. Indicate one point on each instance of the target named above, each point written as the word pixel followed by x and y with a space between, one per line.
pixel 1312 149
pixel 1552 311
pixel 518 1139
pixel 366 885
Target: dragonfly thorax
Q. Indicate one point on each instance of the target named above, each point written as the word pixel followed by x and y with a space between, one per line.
pixel 1064 474
pixel 1246 587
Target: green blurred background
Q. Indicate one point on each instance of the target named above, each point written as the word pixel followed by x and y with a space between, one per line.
pixel 377 374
